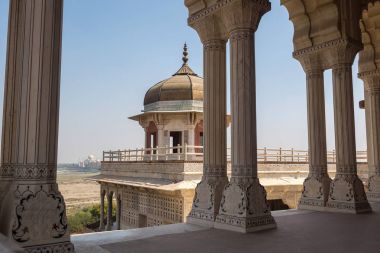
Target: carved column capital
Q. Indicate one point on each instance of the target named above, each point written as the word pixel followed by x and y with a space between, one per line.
pixel 371 81
pixel 244 14
pixel 310 62
pixel 343 53
pixel 210 29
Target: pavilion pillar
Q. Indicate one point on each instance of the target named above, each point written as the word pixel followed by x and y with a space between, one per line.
pixel 109 211
pixel 118 211
pixel 346 191
pixel 161 139
pixel 33 211
pixel 102 195
pixel 208 192
pixel 317 184
pixel 372 111
pixel 244 206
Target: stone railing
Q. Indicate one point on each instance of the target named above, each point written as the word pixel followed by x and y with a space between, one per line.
pixel 195 153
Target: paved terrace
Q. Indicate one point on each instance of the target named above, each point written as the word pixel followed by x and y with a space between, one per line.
pixel 297 232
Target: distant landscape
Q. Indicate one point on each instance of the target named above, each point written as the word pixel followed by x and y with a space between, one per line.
pixel 78 191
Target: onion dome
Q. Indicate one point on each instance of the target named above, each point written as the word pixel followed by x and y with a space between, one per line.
pixel 184 85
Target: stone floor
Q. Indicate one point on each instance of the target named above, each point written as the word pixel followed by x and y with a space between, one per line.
pixel 298 231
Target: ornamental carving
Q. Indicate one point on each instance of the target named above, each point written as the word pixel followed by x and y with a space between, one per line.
pixel 257 200
pixel 207 198
pixel 39 214
pixel 234 200
pixel 347 188
pixel 66 247
pixel 204 196
pixel 374 184
pixel 214 171
pixel 29 172
pixel 312 188
pixel 217 45
pixel 244 200
pixel 342 189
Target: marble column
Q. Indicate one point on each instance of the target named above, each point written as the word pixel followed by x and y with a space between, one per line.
pixel 346 191
pixel 161 141
pixel 372 111
pixel 118 211
pixel 102 195
pixel 190 128
pixel 208 192
pixel 109 211
pixel 244 206
pixel 33 211
pixel 316 186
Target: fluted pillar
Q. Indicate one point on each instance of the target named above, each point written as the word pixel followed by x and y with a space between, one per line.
pixel 208 192
pixel 33 211
pixel 109 211
pixel 346 191
pixel 244 206
pixel 372 111
pixel 316 186
pixel 101 224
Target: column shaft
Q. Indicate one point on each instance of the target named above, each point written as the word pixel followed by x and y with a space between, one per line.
pixel 109 211
pixel 101 225
pixel 243 106
pixel 346 190
pixel 345 144
pixel 214 116
pixel 317 184
pixel 118 212
pixel 209 190
pixel 33 210
pixel 244 207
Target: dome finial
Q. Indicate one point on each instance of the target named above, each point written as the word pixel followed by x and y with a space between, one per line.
pixel 185 54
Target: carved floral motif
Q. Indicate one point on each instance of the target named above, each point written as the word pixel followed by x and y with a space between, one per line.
pixel 39 214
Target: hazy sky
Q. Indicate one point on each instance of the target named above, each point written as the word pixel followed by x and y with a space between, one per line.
pixel 114 50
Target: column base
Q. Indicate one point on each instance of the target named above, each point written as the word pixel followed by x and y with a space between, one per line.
pixel 244 208
pixel 315 192
pixel 373 193
pixel 208 194
pixel 64 247
pixel 36 215
pixel 347 195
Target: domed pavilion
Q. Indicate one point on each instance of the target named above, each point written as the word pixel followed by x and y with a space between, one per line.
pixel 173 110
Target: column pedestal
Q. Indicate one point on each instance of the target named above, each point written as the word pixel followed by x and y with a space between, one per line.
pixel 208 192
pixel 347 190
pixel 317 184
pixel 244 208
